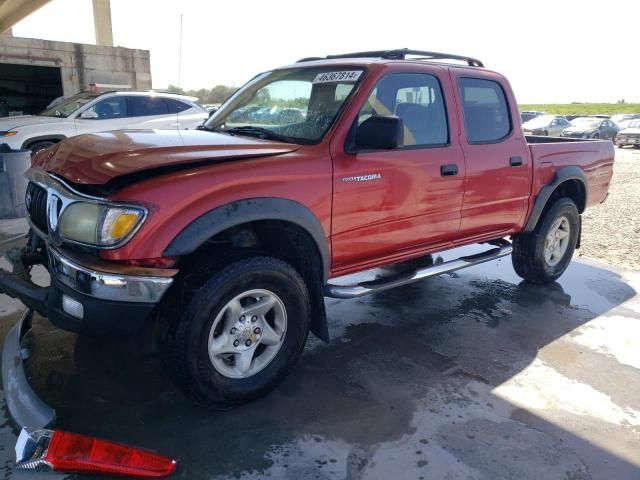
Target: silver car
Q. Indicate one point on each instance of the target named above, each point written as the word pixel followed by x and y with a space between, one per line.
pixel 546 125
pixel 629 135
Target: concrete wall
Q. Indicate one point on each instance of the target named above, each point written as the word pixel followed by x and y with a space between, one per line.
pixel 80 64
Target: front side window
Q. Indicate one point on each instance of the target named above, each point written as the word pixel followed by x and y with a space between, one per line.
pixel 416 98
pixel 147 106
pixel 486 112
pixel 113 107
pixel 297 105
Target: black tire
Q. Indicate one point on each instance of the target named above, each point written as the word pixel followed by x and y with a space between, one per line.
pixel 192 368
pixel 36 147
pixel 528 248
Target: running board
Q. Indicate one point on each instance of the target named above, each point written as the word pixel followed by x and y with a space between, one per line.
pixel 502 249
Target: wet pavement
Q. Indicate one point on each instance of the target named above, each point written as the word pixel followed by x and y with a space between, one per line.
pixel 473 375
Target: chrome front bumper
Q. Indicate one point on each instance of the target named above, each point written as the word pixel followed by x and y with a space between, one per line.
pixel 109 285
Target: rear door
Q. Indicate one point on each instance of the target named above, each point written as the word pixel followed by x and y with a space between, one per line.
pixel 188 116
pixel 150 111
pixel 499 171
pixel 392 203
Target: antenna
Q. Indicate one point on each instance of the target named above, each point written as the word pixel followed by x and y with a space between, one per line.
pixel 179 72
pixel 180 56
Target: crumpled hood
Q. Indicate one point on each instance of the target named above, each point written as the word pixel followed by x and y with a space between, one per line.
pixel 95 159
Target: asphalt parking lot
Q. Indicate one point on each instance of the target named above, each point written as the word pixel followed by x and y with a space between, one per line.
pixel 472 375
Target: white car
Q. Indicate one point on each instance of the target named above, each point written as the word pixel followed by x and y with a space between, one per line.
pixel 98 112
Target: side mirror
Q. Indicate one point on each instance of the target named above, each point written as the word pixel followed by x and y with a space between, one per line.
pixel 89 114
pixel 380 133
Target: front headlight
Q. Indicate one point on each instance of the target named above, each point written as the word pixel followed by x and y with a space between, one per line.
pixel 99 225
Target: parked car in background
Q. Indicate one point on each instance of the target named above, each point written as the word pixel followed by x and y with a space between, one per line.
pixel 624 123
pixel 529 115
pixel 629 135
pixel 211 107
pixel 600 115
pixel 623 119
pixel 591 127
pixel 572 117
pixel 90 112
pixel 546 125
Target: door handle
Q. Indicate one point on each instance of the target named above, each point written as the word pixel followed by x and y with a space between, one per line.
pixel 515 161
pixel 448 170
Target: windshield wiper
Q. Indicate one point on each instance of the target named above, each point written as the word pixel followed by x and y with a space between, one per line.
pixel 259 132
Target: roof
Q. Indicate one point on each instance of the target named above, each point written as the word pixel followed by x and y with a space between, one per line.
pixel 148 93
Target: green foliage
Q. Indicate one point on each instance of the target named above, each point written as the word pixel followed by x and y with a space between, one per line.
pixel 217 94
pixel 583 108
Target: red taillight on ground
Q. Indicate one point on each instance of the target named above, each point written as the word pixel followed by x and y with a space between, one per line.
pixel 72 453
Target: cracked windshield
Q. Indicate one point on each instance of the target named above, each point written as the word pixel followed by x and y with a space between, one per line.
pixel 291 105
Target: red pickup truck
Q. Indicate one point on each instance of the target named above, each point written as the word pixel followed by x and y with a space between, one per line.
pixel 224 240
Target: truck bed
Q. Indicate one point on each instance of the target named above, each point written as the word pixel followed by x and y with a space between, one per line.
pixel 594 157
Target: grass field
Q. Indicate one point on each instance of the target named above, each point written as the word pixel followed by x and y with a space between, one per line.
pixel 583 108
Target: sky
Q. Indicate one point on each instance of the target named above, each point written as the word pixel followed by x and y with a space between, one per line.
pixel 558 51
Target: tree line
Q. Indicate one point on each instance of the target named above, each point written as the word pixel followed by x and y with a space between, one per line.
pixel 217 94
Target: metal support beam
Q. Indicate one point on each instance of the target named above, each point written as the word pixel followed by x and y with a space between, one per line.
pixel 102 22
pixel 12 11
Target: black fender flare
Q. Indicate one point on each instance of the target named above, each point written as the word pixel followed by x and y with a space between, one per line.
pixel 244 211
pixel 571 172
pixel 43 138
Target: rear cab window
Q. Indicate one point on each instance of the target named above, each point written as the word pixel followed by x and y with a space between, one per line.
pixel 486 111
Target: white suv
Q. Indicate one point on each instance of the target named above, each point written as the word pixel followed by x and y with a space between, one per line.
pixel 98 112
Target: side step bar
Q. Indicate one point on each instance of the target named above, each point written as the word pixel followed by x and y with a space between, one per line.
pixel 502 249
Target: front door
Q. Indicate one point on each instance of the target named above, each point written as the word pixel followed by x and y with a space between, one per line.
pixel 392 203
pixel 111 113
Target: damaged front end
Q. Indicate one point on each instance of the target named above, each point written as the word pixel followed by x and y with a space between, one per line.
pixel 25 407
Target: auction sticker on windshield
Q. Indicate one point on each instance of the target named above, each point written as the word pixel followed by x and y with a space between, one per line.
pixel 343 76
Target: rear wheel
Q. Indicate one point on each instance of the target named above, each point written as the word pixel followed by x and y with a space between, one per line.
pixel 543 255
pixel 241 332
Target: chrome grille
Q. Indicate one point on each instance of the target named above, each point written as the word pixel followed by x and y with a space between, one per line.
pixel 36 203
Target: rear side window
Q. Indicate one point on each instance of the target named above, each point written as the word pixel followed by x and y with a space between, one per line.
pixel 176 106
pixel 417 99
pixel 146 106
pixel 486 113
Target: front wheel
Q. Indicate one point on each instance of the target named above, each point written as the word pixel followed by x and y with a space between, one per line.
pixel 241 332
pixel 543 255
pixel 36 147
